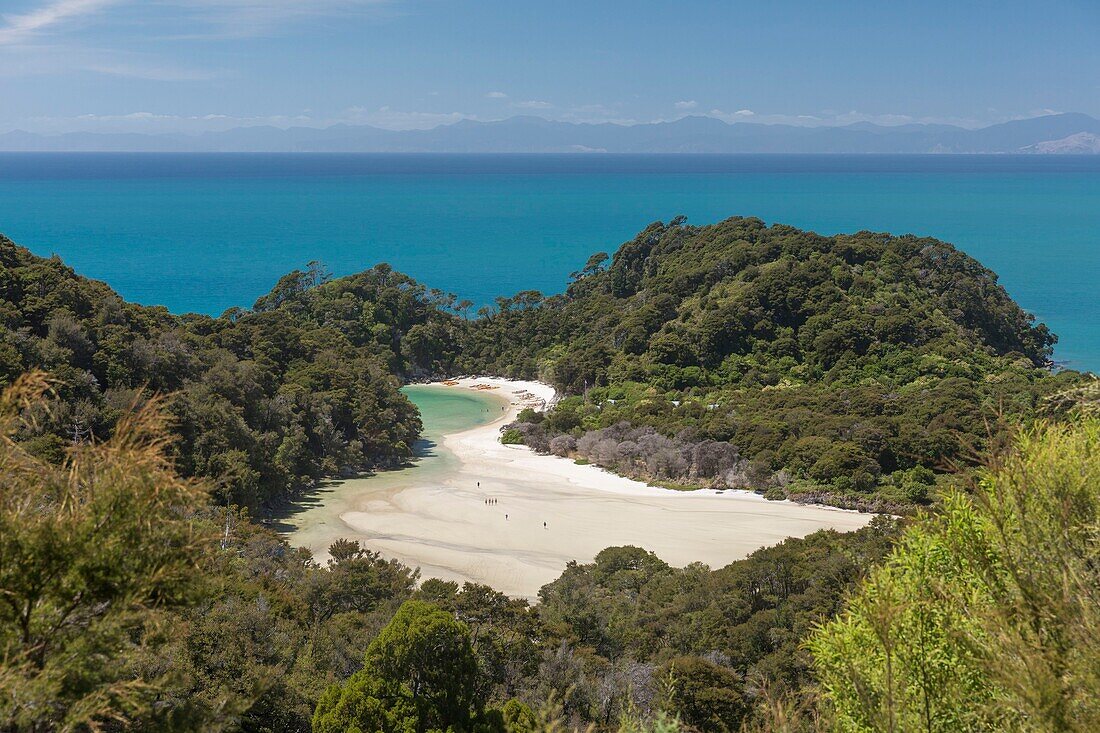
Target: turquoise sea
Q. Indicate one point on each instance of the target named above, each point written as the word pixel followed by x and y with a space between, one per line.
pixel 205 232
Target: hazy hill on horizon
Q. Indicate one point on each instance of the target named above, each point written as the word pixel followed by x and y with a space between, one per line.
pixel 1067 133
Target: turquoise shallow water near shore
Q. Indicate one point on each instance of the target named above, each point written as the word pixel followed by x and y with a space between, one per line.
pixel 445 410
pixel 206 232
pixel 316 522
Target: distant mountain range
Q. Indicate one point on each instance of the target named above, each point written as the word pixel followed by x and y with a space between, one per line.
pixel 1071 133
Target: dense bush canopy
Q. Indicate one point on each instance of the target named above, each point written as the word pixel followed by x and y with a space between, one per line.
pixel 766 357
pixel 849 369
pixel 984 617
pixel 265 401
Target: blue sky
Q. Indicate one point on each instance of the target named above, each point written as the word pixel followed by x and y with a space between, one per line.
pixel 194 65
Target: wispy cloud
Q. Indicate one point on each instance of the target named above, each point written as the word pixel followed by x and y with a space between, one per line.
pixel 596 114
pixel 181 18
pixel 833 118
pixel 48 59
pixel 533 104
pixel 54 37
pixel 151 71
pixel 146 122
pixel 496 95
pixel 686 104
pixel 21 27
pixel 396 119
pixel 235 19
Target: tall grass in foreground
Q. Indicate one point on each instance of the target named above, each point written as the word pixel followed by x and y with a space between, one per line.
pixel 97 553
pixel 987 616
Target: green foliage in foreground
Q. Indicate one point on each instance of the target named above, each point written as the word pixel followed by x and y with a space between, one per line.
pixel 419 674
pixel 986 617
pixel 128 602
pixel 705 695
pixel 97 558
pixel 717 634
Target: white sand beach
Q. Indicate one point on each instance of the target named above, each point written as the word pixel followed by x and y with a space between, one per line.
pixel 444 526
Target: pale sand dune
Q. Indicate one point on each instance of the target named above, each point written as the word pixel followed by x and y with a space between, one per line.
pixel 443 525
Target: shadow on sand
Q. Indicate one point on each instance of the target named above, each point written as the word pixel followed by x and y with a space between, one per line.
pixel 316 496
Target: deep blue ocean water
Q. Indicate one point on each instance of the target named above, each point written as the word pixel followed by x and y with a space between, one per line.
pixel 205 232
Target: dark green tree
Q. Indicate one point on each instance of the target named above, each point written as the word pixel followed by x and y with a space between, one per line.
pixel 419 674
pixel 703 695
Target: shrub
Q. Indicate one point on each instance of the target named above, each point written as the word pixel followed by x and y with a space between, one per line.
pixel 984 617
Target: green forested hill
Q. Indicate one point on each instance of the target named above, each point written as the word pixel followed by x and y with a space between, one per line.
pixel 265 401
pixel 848 369
pixel 744 303
pixel 769 357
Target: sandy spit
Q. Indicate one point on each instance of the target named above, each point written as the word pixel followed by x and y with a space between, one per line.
pixel 546 511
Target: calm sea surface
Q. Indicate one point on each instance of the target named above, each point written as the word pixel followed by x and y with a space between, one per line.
pixel 206 232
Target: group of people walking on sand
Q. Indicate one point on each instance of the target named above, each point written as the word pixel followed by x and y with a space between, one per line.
pixel 491 502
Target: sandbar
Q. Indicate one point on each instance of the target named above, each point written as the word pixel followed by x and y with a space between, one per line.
pixel 546 511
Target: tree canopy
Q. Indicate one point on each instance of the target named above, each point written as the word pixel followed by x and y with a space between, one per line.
pixel 419 674
pixel 848 369
pixel 264 402
pixel 985 616
pixel 98 556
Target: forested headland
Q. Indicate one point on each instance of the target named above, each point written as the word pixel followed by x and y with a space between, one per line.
pixel 265 401
pixel 855 370
pixel 862 370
